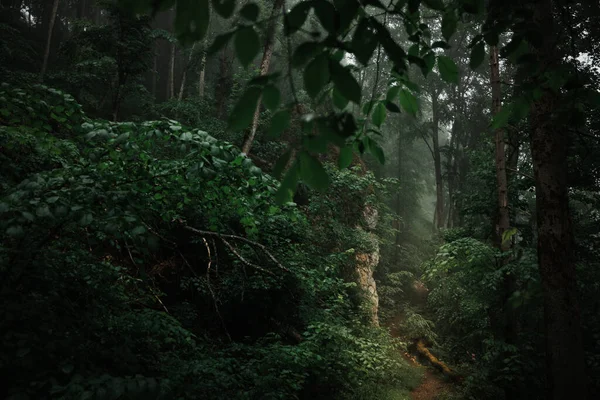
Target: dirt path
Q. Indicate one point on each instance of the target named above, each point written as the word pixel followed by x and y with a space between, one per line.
pixel 432 386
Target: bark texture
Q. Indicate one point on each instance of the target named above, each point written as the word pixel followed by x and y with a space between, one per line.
pixel 549 142
pixel 437 161
pixel 171 80
pixel 264 69
pixel 503 217
pixel 366 264
pixel 49 40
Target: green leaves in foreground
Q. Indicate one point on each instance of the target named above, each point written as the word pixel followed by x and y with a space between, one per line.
pixel 477 55
pixel 513 111
pixel 243 111
pixel 316 74
pixel 306 167
pixel 409 102
pixel 247 45
pixel 448 69
pixel 312 172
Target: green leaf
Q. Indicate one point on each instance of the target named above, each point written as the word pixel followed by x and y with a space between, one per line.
pixel 247 45
pixel 304 52
pixel 429 60
pixel 377 151
pixel 243 111
pixel 250 11
pixel 409 102
pixel 391 106
pixel 296 18
pixel 345 157
pixel 316 75
pixel 28 216
pixel 279 123
pixel 220 42
pixel 338 99
pixel 379 114
pixel 224 7
pixel 508 234
pixel 473 6
pixel 477 55
pixel 500 120
pixel 364 42
pixel 138 230
pixel 448 69
pixel 392 93
pixel 449 24
pixel 492 38
pixel 312 172
pixel 287 188
pixel 43 211
pixel 86 219
pixel 345 82
pixel 281 163
pixel 437 5
pixel 440 44
pixel 191 20
pixel 326 14
pixel 15 231
pixel 271 97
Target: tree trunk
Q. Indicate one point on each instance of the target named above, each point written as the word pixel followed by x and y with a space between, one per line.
pixel 437 161
pixel 171 79
pixel 549 142
pixel 154 73
pixel 223 84
pixel 502 221
pixel 202 73
pixel 184 77
pixel 201 78
pixel 49 40
pixel 264 69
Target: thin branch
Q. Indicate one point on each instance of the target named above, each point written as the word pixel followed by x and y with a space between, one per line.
pixel 223 237
pixel 243 260
pixel 212 293
pixel 520 173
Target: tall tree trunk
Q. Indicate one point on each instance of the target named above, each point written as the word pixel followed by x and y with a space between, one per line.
pixel 154 73
pixel 202 74
pixel 184 76
pixel 121 74
pixel 507 320
pixel 437 161
pixel 171 79
pixel 264 69
pixel 223 84
pixel 49 40
pixel 502 221
pixel 549 141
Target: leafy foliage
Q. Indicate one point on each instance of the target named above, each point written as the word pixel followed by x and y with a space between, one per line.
pixel 122 299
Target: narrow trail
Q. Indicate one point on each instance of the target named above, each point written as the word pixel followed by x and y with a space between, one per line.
pixel 432 386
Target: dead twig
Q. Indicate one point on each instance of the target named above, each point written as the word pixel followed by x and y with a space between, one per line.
pixel 210 289
pixel 223 237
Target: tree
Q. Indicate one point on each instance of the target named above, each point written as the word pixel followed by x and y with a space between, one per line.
pixel 439 184
pixel 264 69
pixel 503 217
pixel 49 39
pixel 549 145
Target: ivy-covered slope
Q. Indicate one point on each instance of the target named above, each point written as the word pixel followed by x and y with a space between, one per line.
pixel 149 260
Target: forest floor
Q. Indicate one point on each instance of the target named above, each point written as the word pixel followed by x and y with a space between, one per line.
pixel 432 386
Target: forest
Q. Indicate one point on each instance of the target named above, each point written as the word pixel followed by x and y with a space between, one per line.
pixel 300 199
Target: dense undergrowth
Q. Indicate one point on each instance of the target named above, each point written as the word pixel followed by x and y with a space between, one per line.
pixel 115 284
